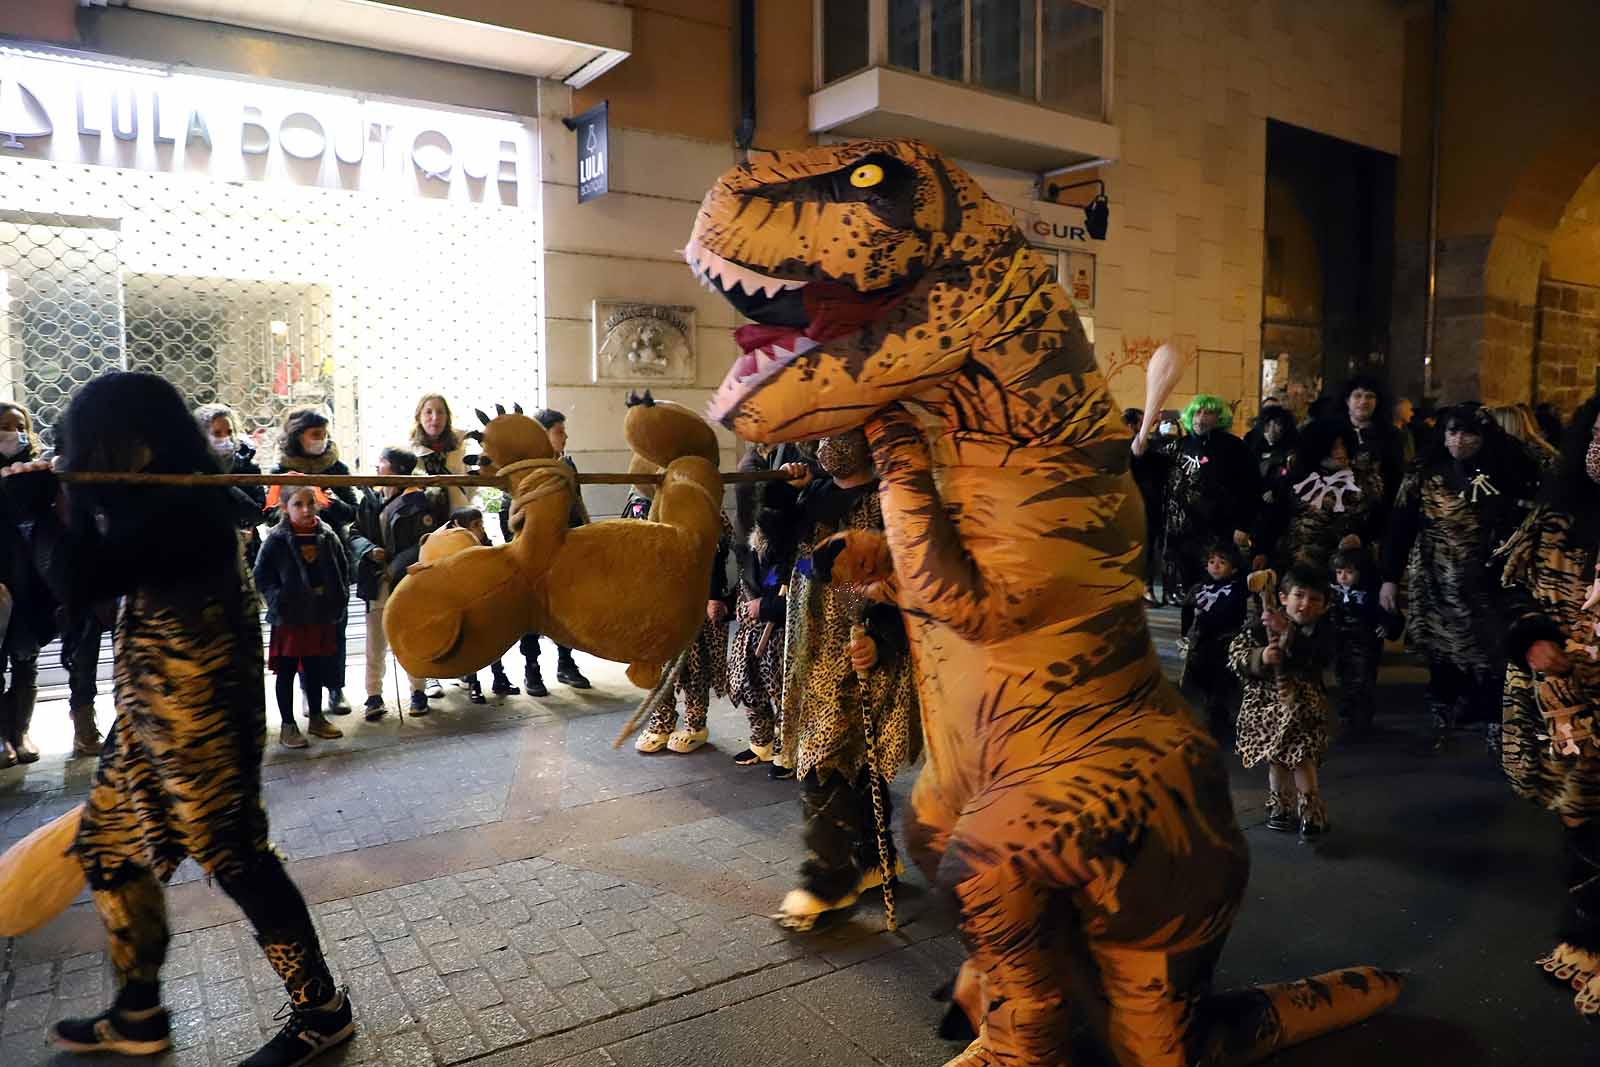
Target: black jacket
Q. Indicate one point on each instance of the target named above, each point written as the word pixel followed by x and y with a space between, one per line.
pixel 33 605
pixel 298 593
pixel 1215 610
pixel 396 525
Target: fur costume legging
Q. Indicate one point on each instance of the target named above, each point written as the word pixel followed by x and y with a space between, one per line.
pixel 180 776
pixel 755 678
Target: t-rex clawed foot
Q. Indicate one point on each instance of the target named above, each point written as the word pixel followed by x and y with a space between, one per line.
pixel 1570 965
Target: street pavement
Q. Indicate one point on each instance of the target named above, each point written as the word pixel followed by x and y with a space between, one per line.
pixel 498 885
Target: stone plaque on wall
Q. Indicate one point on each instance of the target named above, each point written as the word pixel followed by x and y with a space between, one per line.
pixel 643 343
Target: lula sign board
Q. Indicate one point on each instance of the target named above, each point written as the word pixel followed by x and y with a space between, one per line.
pixel 71 112
pixel 593 130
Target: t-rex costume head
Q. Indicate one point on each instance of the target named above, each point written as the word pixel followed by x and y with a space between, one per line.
pixel 1066 782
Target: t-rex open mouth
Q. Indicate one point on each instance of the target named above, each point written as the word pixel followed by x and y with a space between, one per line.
pixel 790 318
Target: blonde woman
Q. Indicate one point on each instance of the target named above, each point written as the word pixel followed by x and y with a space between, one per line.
pixel 1518 422
pixel 440 450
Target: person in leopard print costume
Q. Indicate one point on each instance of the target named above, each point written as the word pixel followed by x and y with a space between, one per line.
pixel 846 664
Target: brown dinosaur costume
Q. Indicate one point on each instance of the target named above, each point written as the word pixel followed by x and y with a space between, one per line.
pixel 458 611
pixel 1068 790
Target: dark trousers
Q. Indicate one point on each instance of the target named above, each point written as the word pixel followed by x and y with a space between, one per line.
pixel 81 655
pixel 1213 686
pixel 1356 666
pixel 1580 918
pixel 1460 697
pixel 529 646
pixel 133 908
pixel 841 832
pixel 315 673
pixel 21 692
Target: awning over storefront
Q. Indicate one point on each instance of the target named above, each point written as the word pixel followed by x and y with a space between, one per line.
pixel 574 41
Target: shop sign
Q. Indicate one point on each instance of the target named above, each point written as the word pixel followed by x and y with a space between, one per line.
pixel 1065 231
pixel 77 112
pixel 594 160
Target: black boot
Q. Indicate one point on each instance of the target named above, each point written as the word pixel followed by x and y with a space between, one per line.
pixel 308 1033
pixel 532 683
pixel 501 686
pixel 475 690
pixel 567 672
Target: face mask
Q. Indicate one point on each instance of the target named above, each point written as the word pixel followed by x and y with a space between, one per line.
pixel 1167 429
pixel 318 448
pixel 12 442
pixel 1592 460
pixel 844 455
pixel 224 447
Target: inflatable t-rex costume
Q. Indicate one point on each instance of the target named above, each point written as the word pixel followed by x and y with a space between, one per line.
pixel 1068 790
pixel 462 606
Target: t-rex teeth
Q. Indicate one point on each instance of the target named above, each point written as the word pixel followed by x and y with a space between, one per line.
pixel 803 344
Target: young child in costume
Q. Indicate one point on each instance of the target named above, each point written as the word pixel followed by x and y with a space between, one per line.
pixel 471 520
pixel 1361 625
pixel 180 774
pixel 567 672
pixel 384 540
pixel 764 553
pixel 306 448
pixel 1283 716
pixel 846 660
pixel 705 672
pixel 303 574
pixel 1213 611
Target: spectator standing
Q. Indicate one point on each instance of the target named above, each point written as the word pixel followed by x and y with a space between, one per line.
pixel 303 575
pixel 471 520
pixel 33 609
pixel 236 456
pixel 440 450
pixel 307 448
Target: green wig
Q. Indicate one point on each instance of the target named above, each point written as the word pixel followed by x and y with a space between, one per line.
pixel 1206 402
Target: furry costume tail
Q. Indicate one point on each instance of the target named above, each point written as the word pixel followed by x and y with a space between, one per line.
pixel 1248 1025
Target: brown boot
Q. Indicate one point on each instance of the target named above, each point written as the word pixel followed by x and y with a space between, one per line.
pixel 85 734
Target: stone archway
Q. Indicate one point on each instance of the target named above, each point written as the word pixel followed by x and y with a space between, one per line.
pixel 1514 266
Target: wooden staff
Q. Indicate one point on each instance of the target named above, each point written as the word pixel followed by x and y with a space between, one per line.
pixel 333 481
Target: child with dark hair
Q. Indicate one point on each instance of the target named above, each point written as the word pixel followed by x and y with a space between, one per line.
pixel 385 540
pixel 1361 625
pixel 303 574
pixel 1213 611
pixel 32 622
pixel 471 520
pixel 567 672
pixel 307 448
pixel 180 774
pixel 1283 716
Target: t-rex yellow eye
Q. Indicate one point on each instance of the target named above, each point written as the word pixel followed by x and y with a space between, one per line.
pixel 866 176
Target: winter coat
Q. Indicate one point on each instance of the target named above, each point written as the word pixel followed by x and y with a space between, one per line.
pixel 397 525
pixel 249 501
pixel 451 461
pixel 289 585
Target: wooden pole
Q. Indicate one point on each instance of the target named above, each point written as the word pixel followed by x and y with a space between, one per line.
pixel 332 481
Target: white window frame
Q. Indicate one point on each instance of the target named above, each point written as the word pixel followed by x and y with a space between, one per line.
pixel 878 48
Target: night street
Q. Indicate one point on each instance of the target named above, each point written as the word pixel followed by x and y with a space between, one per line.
pixel 499 885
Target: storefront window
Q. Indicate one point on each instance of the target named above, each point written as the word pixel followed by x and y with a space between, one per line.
pixel 844 41
pixel 1051 51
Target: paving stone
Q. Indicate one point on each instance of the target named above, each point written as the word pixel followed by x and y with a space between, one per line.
pixel 485 937
pixel 462 911
pixel 421 986
pixel 180 962
pixel 384 1014
pixel 224 999
pixel 433 931
pixel 387 927
pixel 458 1049
pixel 237 1037
pixel 34 978
pixel 86 961
pixel 507 912
pixel 452 956
pixel 581 942
pixel 474 989
pixel 505 964
pixel 189 1028
pixel 28 1013
pixel 416 908
pixel 587 1001
pixel 499 1028
pixel 341 925
pixel 558 969
pixel 444 1020
pixel 81 983
pixel 409 1049
pixel 402 955
pixel 356 952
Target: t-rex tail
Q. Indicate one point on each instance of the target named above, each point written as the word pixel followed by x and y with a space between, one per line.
pixel 1248 1025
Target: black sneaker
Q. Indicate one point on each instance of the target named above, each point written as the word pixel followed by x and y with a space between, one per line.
pixel 375 709
pixel 502 687
pixel 337 704
pixel 780 773
pixel 308 1034
pixel 475 692
pixel 568 674
pixel 534 685
pixel 1283 821
pixel 419 702
pixel 146 1034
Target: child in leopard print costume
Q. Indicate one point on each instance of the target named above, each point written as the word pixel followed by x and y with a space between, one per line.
pixel 1283 717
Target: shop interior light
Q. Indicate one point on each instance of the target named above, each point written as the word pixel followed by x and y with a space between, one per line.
pixel 1096 213
pixel 279 328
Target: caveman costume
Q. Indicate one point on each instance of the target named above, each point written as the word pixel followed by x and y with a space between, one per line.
pixel 1066 783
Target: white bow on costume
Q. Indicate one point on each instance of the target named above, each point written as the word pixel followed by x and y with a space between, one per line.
pixel 1314 488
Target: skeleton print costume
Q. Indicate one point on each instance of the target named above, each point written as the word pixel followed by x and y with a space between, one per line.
pixel 1314 506
pixel 1213 488
pixel 824 700
pixel 1449 517
pixel 1212 614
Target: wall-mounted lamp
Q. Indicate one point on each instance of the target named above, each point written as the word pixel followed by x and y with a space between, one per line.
pixel 1096 213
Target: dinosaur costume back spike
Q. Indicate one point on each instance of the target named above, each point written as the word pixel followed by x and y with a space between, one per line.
pixel 1066 781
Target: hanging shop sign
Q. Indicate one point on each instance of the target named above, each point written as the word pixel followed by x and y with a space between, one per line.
pixel 594 156
pixel 1062 228
pixel 73 111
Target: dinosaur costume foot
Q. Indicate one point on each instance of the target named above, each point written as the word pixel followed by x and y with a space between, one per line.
pixel 650 741
pixel 801 908
pixel 1248 1025
pixel 1587 1002
pixel 685 741
pixel 1570 966
pixel 974 1055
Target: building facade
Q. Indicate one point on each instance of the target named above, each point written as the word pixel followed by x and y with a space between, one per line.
pixel 324 211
